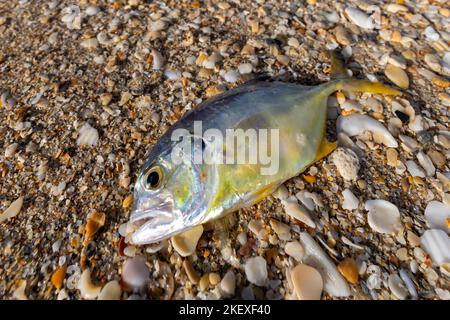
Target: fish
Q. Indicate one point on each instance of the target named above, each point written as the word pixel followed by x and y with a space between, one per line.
pixel 171 197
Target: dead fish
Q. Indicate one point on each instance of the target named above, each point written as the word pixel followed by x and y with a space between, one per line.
pixel 173 197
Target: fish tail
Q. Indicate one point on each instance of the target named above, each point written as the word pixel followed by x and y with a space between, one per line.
pixel 344 82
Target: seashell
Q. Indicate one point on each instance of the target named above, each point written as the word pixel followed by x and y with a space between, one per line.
pixel 295 250
pixel 172 74
pixel 282 193
pixel 87 289
pixel 256 270
pixel 228 283
pixel 158 60
pixel 349 270
pixel 359 18
pixel 414 170
pixel 11 150
pixel 245 68
pixel 351 202
pixel 437 244
pixel 95 221
pixel 186 242
pixel 383 216
pixel 231 76
pixel 397 286
pixel 397 75
pixel 409 283
pixel 310 200
pixel 87 135
pixel 19 293
pixel 58 276
pixel 13 210
pixel 307 282
pixel 426 163
pixel 111 291
pixel 437 215
pixel 282 230
pixel 356 124
pixel 297 211
pixel 408 143
pixel 334 283
pixel 135 273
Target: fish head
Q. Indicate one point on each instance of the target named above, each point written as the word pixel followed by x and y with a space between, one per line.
pixel 169 198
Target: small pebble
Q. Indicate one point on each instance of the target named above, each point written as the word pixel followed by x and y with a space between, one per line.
pixel 256 270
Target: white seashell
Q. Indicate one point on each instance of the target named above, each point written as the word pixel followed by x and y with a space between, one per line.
pixel 111 291
pixel 87 135
pixel 416 124
pixel 158 60
pixel 282 193
pixel 11 150
pixel 256 270
pixel 351 202
pixel 397 286
pixel 437 244
pixel 231 76
pixel 228 283
pixel 431 34
pixel 186 242
pixel 334 283
pixel 245 68
pixel 359 18
pixel 383 216
pixel 297 211
pixel 307 282
pixel 13 210
pixel 426 163
pixel 437 215
pixel 414 170
pixel 87 289
pixel 135 273
pixel 356 124
pixel 310 200
pixel 172 74
pixel 409 284
pixel 92 10
pixel 295 250
pixel 408 143
pixel 89 44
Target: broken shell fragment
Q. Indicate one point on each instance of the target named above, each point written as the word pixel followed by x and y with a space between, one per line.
pixel 13 210
pixel 87 289
pixel 297 211
pixel 295 250
pixel 186 242
pixel 383 216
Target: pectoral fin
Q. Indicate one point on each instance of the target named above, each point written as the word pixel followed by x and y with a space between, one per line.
pixel 325 148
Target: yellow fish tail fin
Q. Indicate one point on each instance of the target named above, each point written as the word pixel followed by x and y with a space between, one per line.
pixel 339 72
pixel 366 86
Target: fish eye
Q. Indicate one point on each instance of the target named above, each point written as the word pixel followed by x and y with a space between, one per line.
pixel 153 178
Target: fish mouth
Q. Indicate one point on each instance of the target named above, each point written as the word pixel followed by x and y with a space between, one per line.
pixel 154 221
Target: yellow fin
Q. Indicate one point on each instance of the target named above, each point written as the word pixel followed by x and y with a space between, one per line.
pixel 325 148
pixel 366 86
pixel 344 82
